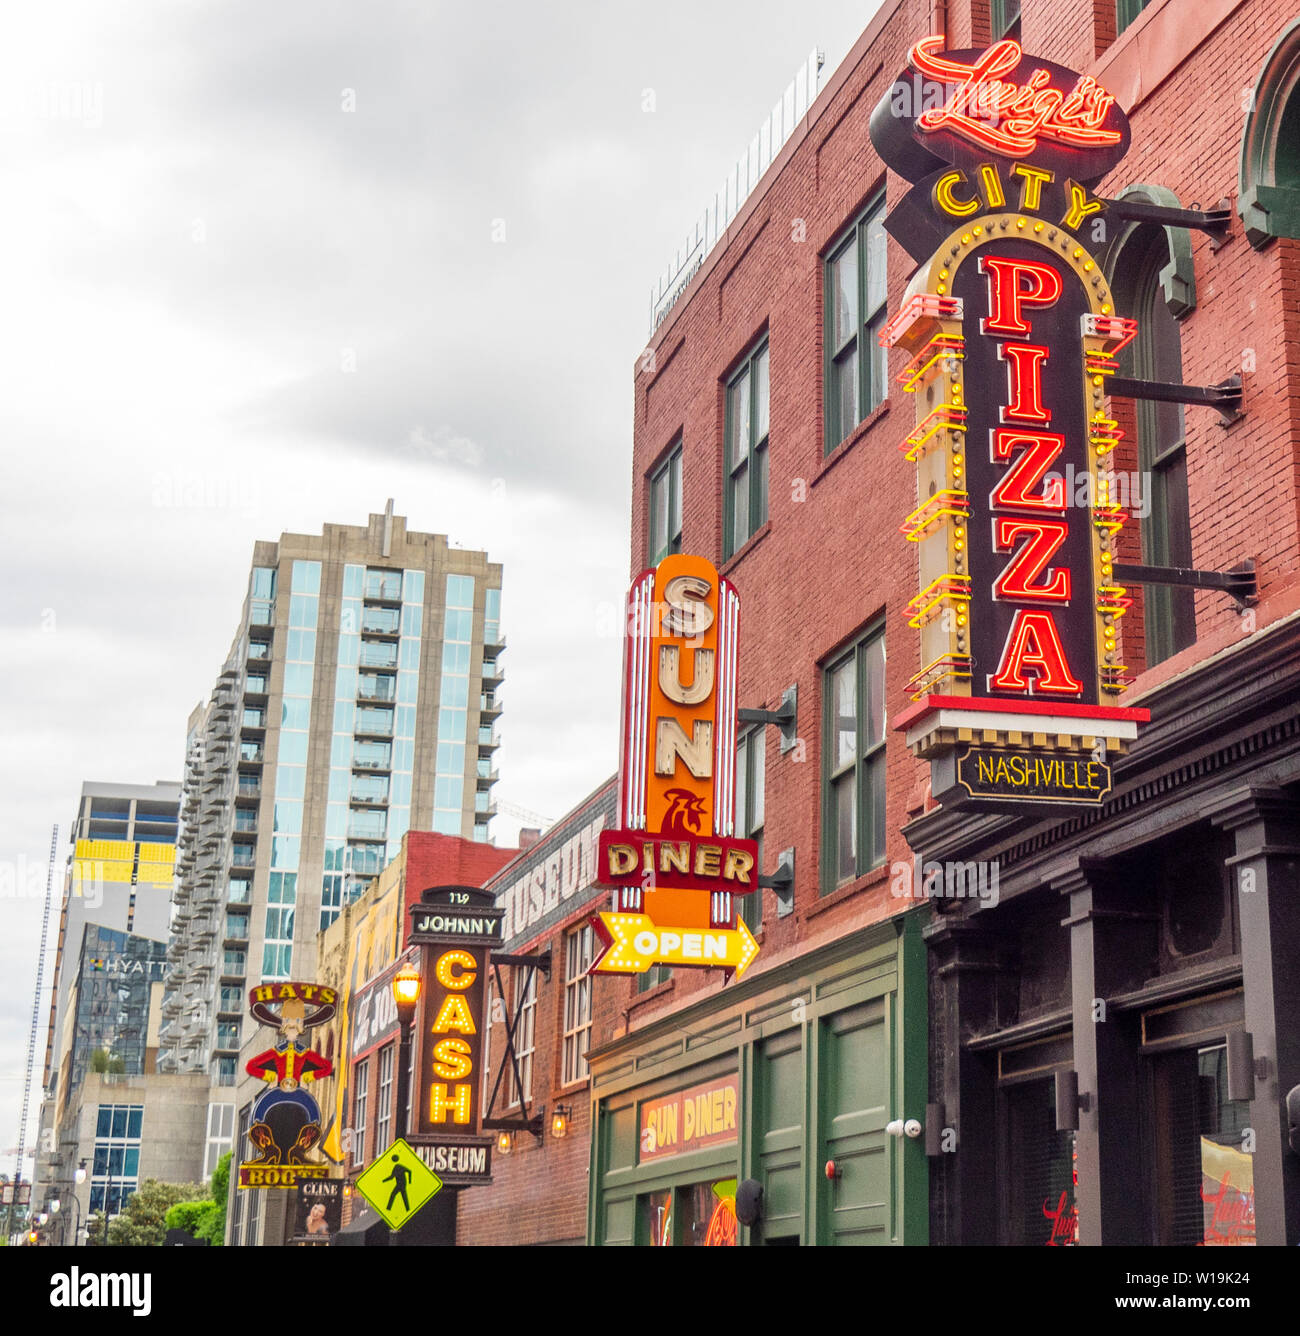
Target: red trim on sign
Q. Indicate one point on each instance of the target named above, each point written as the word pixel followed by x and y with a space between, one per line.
pixel 1064 709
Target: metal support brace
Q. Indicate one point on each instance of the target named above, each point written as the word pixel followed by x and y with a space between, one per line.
pixel 1217 221
pixel 1225 397
pixel 1239 581
pixel 782 882
pixel 785 717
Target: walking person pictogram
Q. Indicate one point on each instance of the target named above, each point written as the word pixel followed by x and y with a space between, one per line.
pixel 399 1176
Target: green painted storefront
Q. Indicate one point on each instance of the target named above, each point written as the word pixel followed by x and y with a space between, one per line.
pixel 825 1050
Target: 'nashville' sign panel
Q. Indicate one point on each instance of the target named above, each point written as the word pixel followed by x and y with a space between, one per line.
pixel 674 860
pixel 1011 332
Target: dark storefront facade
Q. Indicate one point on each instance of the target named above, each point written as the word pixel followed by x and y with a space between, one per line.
pixel 1131 953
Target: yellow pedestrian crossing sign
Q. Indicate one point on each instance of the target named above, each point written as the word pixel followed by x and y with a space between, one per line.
pixel 398 1184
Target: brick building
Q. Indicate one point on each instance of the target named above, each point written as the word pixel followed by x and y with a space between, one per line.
pixel 767 425
pixel 538 1193
pixel 357 955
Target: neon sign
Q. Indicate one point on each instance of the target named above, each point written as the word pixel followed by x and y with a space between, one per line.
pixel 1011 332
pixel 285 1129
pixel 1012 118
pixel 674 862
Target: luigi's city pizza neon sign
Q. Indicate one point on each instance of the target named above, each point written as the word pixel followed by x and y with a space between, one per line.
pixel 1011 331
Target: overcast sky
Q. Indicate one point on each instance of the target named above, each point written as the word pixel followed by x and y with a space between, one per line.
pixel 254 280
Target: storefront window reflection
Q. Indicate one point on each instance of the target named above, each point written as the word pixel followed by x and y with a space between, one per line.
pixel 657 1218
pixel 707 1216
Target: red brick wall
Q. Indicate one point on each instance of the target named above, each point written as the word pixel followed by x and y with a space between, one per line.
pixel 831 558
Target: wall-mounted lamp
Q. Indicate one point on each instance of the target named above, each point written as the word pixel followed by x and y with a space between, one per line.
pixel 560 1121
pixel 1069 1102
pixel 505 1142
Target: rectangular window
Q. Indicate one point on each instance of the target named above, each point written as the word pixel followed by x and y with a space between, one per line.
pixel 115 1167
pixel 361 1074
pixel 577 1004
pixel 751 779
pixel 525 1043
pixel 854 285
pixel 1004 19
pixel 1126 11
pixel 854 762
pixel 666 507
pixel 384 1100
pixel 746 436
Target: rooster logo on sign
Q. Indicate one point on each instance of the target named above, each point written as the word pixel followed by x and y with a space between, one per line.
pixel 684 815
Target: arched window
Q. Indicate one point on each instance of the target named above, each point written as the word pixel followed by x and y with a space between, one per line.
pixel 1268 188
pixel 1154 286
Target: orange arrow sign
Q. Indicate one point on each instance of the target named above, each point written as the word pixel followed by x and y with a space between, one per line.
pixel 636 942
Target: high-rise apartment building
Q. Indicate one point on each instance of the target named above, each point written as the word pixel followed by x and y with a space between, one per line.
pixel 358 701
pixel 118 880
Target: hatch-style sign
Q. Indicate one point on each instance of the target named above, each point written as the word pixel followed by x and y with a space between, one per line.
pixel 674 861
pixel 398 1184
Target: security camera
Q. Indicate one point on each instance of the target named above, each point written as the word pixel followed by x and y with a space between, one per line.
pixel 912 1128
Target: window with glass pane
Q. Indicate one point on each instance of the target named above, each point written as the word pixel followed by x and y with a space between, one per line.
pixel 1126 11
pixel 384 1099
pixel 525 1042
pixel 746 435
pixel 751 766
pixel 360 1100
pixel 1005 19
pixel 854 763
pixel 577 1004
pixel 1156 354
pixel 666 507
pixel 856 365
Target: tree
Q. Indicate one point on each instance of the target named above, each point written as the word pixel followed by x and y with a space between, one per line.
pixel 205 1218
pixel 104 1062
pixel 143 1222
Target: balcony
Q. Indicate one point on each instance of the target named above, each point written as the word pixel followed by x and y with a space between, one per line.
pixel 246 820
pixel 250 786
pixel 259 649
pixel 374 723
pixel 360 762
pixel 233 965
pixel 366 860
pixel 383 586
pixel 489 707
pixel 379 654
pixel 493 676
pixel 235 931
pixel 485 778
pixel 359 829
pixel 381 621
pixel 376 688
pixel 367 792
pixel 242 857
pixel 255 685
pixel 487 740
pixel 251 753
pixel 494 643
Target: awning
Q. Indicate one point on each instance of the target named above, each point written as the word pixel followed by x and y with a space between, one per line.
pixel 365 1230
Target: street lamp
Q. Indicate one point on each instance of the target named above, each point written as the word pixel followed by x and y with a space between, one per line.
pixel 406 993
